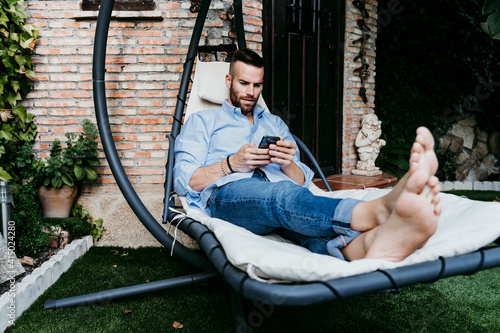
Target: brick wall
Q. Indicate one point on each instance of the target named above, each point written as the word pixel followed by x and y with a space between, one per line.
pixel 354 108
pixel 144 65
pixel 145 58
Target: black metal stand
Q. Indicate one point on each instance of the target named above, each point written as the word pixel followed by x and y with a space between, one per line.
pixel 116 294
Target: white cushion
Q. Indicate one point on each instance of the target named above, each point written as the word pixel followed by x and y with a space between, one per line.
pixel 464 226
pixel 212 84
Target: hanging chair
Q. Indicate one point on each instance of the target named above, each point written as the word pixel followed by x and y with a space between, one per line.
pixel 253 283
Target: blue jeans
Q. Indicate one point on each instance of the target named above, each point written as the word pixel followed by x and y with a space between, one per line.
pixel 319 223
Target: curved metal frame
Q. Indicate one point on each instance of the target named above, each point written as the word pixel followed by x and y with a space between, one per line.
pixel 277 294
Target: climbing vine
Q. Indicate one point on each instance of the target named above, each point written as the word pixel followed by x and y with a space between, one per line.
pixel 17 41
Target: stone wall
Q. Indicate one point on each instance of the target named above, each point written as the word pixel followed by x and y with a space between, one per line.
pixel 476 151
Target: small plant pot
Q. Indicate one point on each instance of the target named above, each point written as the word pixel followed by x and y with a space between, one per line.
pixel 57 202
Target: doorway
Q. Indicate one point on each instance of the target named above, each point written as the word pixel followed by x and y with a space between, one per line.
pixel 304 54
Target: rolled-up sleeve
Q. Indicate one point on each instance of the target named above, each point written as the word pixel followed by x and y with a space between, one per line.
pixel 191 149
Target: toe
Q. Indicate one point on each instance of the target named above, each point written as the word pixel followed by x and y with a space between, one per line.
pixel 425 138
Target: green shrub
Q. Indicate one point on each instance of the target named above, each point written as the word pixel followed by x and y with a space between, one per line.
pixel 75 226
pixel 74 163
pixel 394 158
pixel 96 228
pixel 435 66
pixel 30 238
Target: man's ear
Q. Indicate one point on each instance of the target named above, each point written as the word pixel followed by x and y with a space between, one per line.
pixel 228 81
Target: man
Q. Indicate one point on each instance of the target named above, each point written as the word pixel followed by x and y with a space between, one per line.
pixel 220 170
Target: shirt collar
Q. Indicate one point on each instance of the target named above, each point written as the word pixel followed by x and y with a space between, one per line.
pixel 257 110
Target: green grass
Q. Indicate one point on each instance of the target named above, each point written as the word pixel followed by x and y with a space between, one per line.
pixel 477 195
pixel 457 304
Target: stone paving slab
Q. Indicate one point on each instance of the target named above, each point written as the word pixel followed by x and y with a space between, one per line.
pixel 467 185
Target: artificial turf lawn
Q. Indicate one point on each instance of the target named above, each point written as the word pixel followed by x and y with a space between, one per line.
pixel 457 304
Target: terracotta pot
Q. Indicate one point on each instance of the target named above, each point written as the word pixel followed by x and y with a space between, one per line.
pixel 57 202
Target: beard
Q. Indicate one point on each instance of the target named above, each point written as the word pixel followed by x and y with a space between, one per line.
pixel 236 101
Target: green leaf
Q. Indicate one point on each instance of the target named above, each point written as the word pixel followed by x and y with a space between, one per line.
pixel 4 175
pixel 15 85
pixel 79 172
pixel 91 173
pixel 21 113
pixel 66 178
pixel 98 222
pixel 56 182
pixel 5 135
pixel 12 98
pixel 31 29
pixel 492 7
pixel 20 59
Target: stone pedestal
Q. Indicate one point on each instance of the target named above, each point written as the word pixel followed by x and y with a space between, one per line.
pixel 366 173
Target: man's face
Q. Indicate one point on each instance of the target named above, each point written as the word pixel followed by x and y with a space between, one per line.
pixel 245 86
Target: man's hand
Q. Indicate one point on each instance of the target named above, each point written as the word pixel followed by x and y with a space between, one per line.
pixel 249 157
pixel 282 152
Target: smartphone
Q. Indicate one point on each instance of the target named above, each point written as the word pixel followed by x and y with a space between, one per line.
pixel 267 140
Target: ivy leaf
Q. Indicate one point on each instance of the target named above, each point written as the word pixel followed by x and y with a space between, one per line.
pixel 30 74
pixel 21 113
pixel 20 59
pixel 6 135
pixel 15 85
pixel 4 19
pixel 9 66
pixel 12 98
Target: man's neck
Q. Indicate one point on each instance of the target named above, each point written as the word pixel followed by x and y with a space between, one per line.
pixel 249 116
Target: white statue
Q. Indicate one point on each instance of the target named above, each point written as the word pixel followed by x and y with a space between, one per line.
pixel 369 143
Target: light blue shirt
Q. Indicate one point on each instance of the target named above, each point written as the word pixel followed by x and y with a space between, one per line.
pixel 209 136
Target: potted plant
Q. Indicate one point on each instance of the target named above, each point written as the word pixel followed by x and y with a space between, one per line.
pixel 62 174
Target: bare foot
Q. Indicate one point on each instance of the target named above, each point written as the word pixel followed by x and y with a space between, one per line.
pixel 411 224
pixel 416 209
pixel 423 162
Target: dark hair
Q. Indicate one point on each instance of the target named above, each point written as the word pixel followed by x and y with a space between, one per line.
pixel 248 57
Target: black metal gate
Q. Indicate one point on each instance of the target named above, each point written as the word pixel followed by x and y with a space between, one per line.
pixel 304 53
